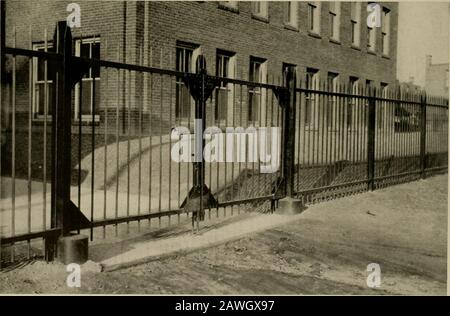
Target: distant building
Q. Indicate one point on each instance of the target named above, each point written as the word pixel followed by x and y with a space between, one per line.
pixel 436 78
pixel 410 86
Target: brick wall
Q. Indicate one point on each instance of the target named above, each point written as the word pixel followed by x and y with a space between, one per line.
pixel 147 32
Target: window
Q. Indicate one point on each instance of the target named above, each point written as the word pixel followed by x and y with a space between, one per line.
pixel 260 9
pixel 332 85
pixel 352 101
pixel 224 93
pixel 371 39
pixel 42 72
pixel 86 96
pixel 257 73
pixel 355 21
pixel 381 110
pixel 231 5
pixel 314 17
pixel 312 83
pixel 288 69
pixel 291 14
pixel 335 17
pixel 385 31
pixel 186 55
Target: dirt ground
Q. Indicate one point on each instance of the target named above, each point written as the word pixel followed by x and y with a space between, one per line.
pixel 402 228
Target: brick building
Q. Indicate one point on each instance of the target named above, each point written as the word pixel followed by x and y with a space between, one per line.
pixel 436 78
pixel 326 41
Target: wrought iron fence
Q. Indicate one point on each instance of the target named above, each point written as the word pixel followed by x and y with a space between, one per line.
pixel 89 144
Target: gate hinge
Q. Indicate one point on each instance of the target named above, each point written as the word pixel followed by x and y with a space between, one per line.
pixel 194 84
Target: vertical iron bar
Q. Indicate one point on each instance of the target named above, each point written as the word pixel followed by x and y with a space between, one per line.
pixel 371 143
pixel 423 133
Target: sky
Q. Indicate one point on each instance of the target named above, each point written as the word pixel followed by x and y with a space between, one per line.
pixel 423 29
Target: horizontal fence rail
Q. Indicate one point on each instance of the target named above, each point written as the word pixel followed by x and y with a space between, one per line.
pixel 133 132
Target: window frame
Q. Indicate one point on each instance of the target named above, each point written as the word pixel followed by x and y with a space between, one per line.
pixel 291 15
pixel 228 87
pixel 354 85
pixel 86 117
pixel 312 82
pixel 263 12
pixel 385 31
pixel 331 113
pixel 194 49
pixel 355 20
pixel 255 92
pixel 232 6
pixel 35 67
pixel 314 9
pixel 335 19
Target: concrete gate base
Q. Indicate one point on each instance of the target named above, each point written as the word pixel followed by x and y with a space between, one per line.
pixel 73 249
pixel 290 205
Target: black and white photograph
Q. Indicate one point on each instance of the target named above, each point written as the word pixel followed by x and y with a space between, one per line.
pixel 216 148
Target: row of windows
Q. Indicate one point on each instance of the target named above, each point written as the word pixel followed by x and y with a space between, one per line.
pixel 225 67
pixel 261 9
pixel 186 54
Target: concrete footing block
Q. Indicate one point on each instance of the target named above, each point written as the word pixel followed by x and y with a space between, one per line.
pixel 290 205
pixel 73 249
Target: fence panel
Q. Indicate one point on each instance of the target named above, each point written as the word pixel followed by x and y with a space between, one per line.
pixel 331 138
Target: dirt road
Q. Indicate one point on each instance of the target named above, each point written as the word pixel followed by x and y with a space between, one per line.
pixel 402 228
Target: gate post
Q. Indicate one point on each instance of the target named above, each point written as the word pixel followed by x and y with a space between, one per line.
pixel 199 197
pixel 61 130
pixel 289 204
pixel 64 214
pixel 371 141
pixel 423 134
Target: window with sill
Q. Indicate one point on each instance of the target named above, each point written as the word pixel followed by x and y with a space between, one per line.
pixel 87 93
pixel 42 83
pixel 332 86
pixel 314 17
pixel 229 4
pixel 186 56
pixel 355 23
pixel 385 31
pixel 335 18
pixel 260 9
pixel 353 102
pixel 257 95
pixel 371 39
pixel 291 14
pixel 311 102
pixel 225 67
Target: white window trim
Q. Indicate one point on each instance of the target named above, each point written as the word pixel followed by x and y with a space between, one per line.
pixel 333 100
pixel 196 51
pixel 337 21
pixel 85 117
pixel 371 39
pixel 293 17
pixel 35 97
pixel 316 17
pixel 386 29
pixel 233 5
pixel 264 8
pixel 231 70
pixel 263 93
pixel 357 19
pixel 313 122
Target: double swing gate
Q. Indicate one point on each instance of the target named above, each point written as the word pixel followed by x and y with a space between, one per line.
pixel 106 146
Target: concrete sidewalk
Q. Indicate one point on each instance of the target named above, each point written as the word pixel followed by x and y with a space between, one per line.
pixel 211 234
